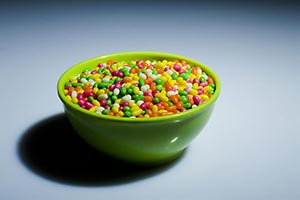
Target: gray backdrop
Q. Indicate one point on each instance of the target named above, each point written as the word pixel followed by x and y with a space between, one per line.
pixel 248 150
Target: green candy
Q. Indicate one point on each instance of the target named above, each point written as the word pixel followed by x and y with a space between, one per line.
pixel 126 108
pixel 202 79
pixel 134 66
pixel 68 84
pixel 78 84
pixel 114 98
pixel 154 72
pixel 159 87
pixel 126 73
pixel 123 90
pixel 86 70
pixel 187 105
pixel 100 70
pixel 89 78
pixel 155 100
pixel 158 81
pixel 212 85
pixel 105 112
pixel 210 91
pixel 189 71
pixel 103 85
pixel 138 97
pixel 127 114
pixel 182 92
pixel 95 85
pixel 108 102
pixel 184 99
pixel 130 90
pixel 184 76
pixel 174 76
pixel 110 93
pixel 90 99
pixel 118 79
pixel 170 103
pixel 141 82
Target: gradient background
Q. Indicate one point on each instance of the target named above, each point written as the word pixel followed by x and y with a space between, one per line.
pixel 250 147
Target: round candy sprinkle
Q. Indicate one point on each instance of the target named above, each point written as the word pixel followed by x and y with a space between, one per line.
pixel 139 88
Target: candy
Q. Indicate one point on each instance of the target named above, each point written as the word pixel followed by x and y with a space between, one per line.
pixel 138 89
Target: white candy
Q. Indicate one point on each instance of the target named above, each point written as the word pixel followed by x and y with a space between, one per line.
pixel 100 109
pixel 126 98
pixel 74 94
pixel 144 88
pixel 92 82
pixel 105 79
pixel 102 96
pixel 116 105
pixel 170 93
pixel 170 72
pixel 139 102
pixel 83 80
pixel 199 71
pixel 189 85
pixel 116 91
pixel 142 76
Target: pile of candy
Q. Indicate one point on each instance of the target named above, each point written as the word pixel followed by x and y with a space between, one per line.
pixel 140 88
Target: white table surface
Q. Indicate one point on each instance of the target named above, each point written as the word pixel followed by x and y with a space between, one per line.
pixel 248 150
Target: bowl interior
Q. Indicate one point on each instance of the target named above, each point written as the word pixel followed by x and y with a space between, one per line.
pixel 129 56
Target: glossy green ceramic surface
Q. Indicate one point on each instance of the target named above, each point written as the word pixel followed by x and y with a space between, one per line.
pixel 147 141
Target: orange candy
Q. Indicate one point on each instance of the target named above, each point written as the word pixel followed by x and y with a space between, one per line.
pixel 168 86
pixel 148 99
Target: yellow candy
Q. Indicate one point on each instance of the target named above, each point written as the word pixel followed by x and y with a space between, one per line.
pixel 74 100
pixel 192 76
pixel 159 65
pixel 136 112
pixel 120 113
pixel 93 109
pixel 136 90
pixel 73 79
pixel 204 97
pixel 118 101
pixel 155 109
pixel 207 88
pixel 195 85
pixel 164 79
pixel 194 92
pixel 66 92
pixel 98 80
pixel 127 85
pixel 162 111
pixel 68 97
pixel 115 109
pixel 146 116
pixel 114 68
pixel 96 76
pixel 100 92
pixel 95 90
pixel 135 77
pixel 181 81
pixel 80 91
pixel 96 103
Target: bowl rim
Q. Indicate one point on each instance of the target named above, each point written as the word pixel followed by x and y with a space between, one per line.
pixel 177 116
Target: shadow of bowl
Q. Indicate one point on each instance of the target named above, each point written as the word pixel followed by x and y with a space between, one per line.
pixel 53 150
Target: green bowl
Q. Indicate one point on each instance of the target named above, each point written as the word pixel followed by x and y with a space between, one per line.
pixel 145 141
